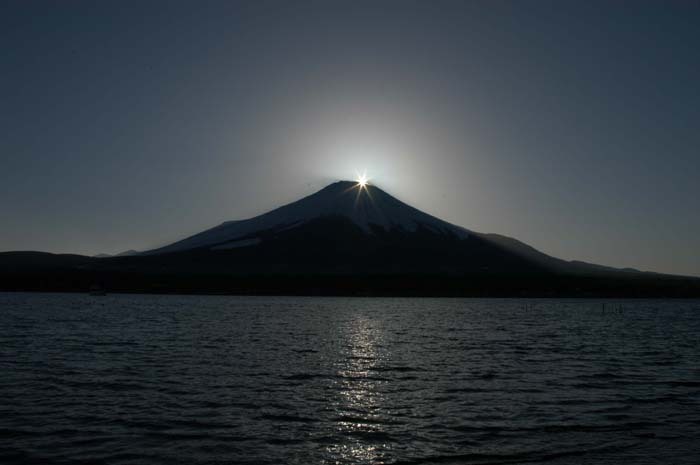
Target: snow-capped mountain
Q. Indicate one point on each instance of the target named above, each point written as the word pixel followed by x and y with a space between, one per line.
pixel 368 207
pixel 342 240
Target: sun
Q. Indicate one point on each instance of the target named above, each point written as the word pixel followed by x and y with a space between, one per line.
pixel 362 180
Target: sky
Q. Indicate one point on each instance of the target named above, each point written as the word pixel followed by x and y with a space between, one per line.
pixel 572 126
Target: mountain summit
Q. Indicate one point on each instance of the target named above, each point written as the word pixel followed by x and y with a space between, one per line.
pixel 368 207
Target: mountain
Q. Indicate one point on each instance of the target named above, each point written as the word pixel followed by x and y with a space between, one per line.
pixel 367 207
pixel 343 239
pixel 127 253
pixel 351 228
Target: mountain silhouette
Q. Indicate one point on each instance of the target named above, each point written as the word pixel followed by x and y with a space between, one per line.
pixel 367 207
pixel 343 239
pixel 354 228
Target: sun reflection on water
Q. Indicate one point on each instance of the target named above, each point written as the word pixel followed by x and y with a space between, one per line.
pixel 360 395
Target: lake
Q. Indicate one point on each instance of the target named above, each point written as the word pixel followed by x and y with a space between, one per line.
pixel 124 379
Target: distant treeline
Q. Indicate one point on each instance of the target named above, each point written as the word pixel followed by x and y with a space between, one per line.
pixel 467 285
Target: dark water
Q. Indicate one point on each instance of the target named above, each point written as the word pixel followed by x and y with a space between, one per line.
pixel 170 379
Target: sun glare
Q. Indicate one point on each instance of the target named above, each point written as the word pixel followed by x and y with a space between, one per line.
pixel 362 180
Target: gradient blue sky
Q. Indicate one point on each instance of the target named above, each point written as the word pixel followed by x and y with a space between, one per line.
pixel 573 126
